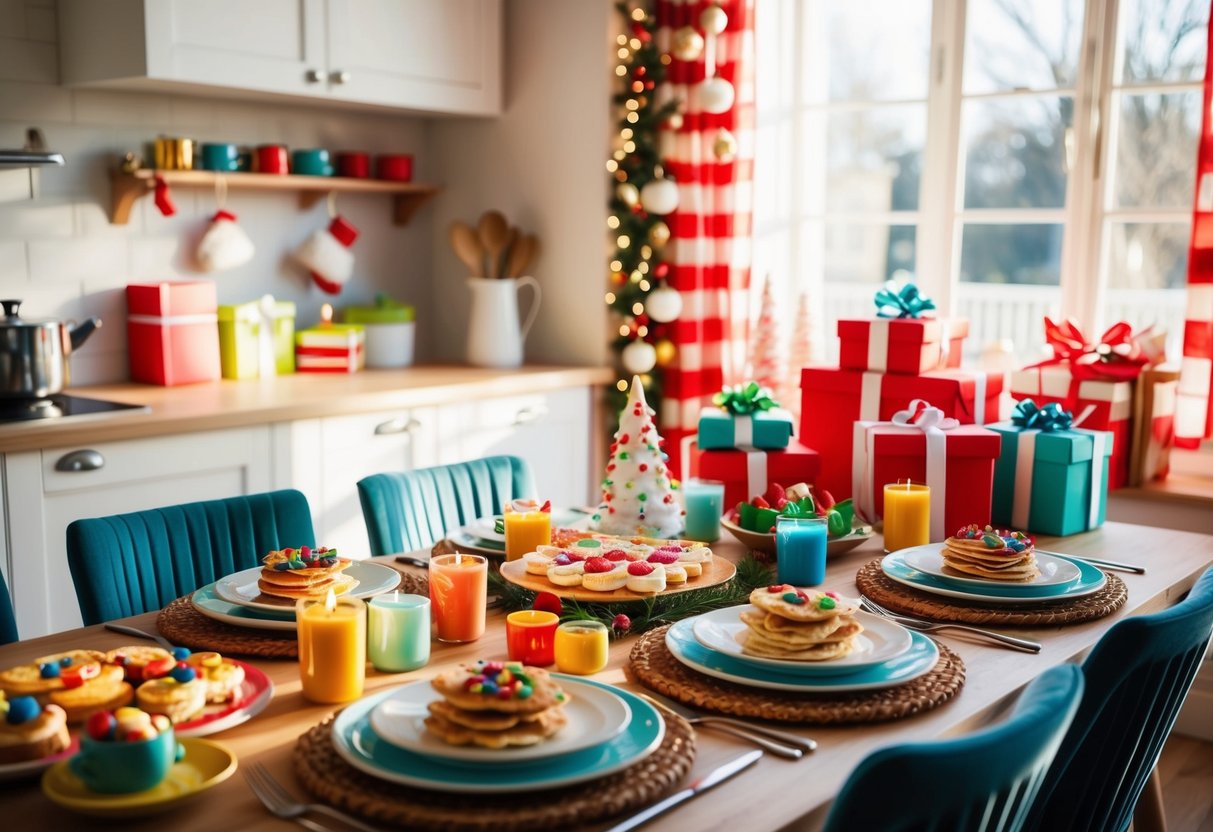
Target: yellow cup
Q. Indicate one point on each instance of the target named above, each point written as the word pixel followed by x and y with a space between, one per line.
pixel 582 647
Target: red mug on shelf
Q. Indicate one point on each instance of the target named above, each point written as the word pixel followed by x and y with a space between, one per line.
pixel 354 164
pixel 397 167
pixel 271 158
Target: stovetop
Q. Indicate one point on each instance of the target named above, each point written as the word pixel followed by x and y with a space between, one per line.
pixel 63 407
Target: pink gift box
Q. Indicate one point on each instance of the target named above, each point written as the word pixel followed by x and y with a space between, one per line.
pixel 172 332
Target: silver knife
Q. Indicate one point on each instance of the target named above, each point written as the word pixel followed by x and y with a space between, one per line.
pixel 1108 564
pixel 712 778
pixel 131 631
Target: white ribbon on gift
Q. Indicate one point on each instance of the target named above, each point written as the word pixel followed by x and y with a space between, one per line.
pixel 919 416
pixel 869 396
pixel 1025 462
pixel 878 345
pixel 174 320
pixel 755 465
pixel 743 432
pixel 267 362
pixel 945 342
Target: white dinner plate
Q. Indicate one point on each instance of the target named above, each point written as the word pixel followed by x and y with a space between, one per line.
pixel 595 716
pixel 723 632
pixel 241 588
pixel 929 559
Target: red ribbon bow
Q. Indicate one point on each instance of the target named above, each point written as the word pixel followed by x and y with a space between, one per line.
pixel 1116 356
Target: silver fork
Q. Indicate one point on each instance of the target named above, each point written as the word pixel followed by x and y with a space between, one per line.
pixel 280 803
pixel 1026 645
pixel 780 743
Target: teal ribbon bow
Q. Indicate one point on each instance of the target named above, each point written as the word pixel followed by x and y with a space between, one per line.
pixel 744 399
pixel 1046 419
pixel 904 302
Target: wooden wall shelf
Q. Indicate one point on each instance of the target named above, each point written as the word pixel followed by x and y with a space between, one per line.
pixel 127 188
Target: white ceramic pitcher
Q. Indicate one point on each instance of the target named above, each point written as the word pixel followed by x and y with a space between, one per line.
pixel 494 337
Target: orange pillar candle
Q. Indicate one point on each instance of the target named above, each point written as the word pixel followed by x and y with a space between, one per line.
pixel 527 527
pixel 332 648
pixel 459 595
pixel 907 515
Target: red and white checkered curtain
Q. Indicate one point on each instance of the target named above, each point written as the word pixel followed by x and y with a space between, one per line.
pixel 709 250
pixel 1194 406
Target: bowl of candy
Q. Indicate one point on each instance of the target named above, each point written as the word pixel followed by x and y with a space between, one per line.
pixel 753 522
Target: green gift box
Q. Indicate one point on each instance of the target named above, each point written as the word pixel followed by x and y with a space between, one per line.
pixel 1051 482
pixel 765 429
pixel 240 337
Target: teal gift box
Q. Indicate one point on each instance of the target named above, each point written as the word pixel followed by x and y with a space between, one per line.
pixel 1066 489
pixel 765 429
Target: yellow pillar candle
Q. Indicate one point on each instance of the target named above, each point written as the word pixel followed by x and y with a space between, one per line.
pixel 527 527
pixel 907 515
pixel 581 647
pixel 332 648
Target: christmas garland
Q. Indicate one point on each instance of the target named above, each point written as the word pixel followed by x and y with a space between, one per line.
pixel 638 616
pixel 639 296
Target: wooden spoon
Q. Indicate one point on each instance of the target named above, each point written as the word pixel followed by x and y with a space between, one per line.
pixel 468 248
pixel 521 256
pixel 494 236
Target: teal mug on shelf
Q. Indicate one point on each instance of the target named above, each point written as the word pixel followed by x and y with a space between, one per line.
pixel 314 162
pixel 119 767
pixel 220 157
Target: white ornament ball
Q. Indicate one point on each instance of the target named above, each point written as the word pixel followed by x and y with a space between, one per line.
pixel 660 196
pixel 687 44
pixel 713 19
pixel 639 357
pixel 716 96
pixel 663 304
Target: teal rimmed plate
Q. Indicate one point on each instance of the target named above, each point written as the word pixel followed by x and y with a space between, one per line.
pixel 914 662
pixel 359 745
pixel 212 606
pixel 1091 579
pixel 1054 571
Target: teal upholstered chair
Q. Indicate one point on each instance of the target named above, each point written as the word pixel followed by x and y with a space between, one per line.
pixel 1137 675
pixel 414 509
pixel 8 621
pixel 127 564
pixel 983 781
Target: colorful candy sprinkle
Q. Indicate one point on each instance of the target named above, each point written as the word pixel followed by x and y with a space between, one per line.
pixel 22 709
pixel 49 670
pixel 793 598
pixel 825 602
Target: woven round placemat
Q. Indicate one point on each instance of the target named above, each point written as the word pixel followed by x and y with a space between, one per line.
pixel 882 589
pixel 655 666
pixel 181 624
pixel 326 775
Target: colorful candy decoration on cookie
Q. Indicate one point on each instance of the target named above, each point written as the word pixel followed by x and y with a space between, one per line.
pixel 29 730
pixel 502 680
pixel 126 724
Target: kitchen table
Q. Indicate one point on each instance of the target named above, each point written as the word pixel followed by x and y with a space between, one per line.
pixel 775 794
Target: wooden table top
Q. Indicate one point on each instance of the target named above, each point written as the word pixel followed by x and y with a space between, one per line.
pixel 772 795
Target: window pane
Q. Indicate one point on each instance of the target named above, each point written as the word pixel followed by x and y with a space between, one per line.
pixel 1156 150
pixel 1151 255
pixel 1021 44
pixel 1163 40
pixel 866 50
pixel 867 252
pixel 873 158
pixel 1023 253
pixel 1015 152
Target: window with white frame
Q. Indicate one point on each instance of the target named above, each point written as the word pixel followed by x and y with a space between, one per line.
pixel 1015 158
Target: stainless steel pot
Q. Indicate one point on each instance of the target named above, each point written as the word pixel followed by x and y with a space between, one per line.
pixel 33 354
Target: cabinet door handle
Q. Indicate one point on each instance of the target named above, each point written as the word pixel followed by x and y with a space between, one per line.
pixel 394 426
pixel 88 460
pixel 526 415
pixel 313 76
pixel 339 76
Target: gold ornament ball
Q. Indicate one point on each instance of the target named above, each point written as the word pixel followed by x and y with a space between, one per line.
pixel 666 352
pixel 724 145
pixel 675 121
pixel 659 234
pixel 687 44
pixel 629 193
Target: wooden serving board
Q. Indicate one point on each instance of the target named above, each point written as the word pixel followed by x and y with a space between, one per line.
pixel 716 571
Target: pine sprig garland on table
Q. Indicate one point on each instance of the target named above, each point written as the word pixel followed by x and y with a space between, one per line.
pixel 651 612
pixel 639 231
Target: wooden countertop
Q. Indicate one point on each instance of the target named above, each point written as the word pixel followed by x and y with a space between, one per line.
pixel 771 796
pixel 229 404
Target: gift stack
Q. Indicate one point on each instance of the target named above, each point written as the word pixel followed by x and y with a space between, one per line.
pixel 745 441
pixel 857 413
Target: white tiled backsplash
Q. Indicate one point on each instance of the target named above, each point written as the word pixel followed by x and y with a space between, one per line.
pixel 60 254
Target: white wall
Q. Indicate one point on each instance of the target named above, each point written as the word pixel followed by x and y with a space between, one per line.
pixel 542 164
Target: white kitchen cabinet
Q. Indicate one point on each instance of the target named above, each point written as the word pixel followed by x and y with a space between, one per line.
pixel 423 55
pixel 133 475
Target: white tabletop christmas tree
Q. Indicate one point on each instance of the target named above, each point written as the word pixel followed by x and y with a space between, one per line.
pixel 638 492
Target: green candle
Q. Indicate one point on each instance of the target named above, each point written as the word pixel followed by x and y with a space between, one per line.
pixel 398 631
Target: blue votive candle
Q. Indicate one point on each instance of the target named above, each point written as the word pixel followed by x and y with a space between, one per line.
pixel 800 550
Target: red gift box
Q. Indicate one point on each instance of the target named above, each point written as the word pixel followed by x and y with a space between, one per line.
pixel 901 345
pixel 833 399
pixel 746 473
pixel 172 332
pixel 956 461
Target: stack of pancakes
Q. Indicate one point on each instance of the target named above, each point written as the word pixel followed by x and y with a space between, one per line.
pixel 991 553
pixel 799 625
pixel 80 682
pixel 312 581
pixel 496 705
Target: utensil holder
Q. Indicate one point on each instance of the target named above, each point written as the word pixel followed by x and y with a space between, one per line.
pixel 494 336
